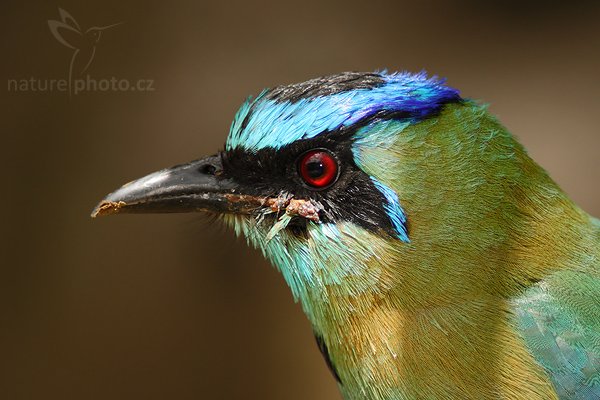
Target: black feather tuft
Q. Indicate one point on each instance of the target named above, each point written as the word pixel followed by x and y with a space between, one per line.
pixel 325 86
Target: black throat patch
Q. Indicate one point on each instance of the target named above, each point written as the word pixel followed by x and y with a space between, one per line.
pixel 325 352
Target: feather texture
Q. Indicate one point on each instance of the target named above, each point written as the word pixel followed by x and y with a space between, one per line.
pixel 560 321
pixel 492 293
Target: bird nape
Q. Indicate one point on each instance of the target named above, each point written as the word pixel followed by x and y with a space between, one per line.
pixel 433 257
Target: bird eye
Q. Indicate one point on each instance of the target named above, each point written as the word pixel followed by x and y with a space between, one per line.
pixel 318 168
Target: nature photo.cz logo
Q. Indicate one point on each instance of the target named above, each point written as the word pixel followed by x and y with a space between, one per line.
pixel 83 45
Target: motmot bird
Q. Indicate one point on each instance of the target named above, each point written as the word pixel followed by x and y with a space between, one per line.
pixel 433 257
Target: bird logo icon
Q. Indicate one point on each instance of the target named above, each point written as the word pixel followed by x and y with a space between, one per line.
pixel 83 43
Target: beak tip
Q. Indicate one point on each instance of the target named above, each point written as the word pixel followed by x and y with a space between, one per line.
pixel 106 207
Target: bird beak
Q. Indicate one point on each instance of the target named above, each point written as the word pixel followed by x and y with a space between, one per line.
pixel 102 28
pixel 195 186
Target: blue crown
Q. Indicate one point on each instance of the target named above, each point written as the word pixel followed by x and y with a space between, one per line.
pixel 283 115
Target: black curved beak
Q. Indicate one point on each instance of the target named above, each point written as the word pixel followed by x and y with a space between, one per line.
pixel 195 186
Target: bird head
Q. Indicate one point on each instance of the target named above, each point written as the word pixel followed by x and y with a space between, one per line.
pixel 94 33
pixel 352 184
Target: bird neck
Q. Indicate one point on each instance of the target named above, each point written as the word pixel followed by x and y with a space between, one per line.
pixel 439 324
pixel 413 341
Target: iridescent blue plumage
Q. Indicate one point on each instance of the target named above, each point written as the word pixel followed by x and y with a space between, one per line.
pixel 264 122
pixel 393 209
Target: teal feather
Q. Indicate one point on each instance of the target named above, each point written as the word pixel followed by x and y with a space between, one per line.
pixel 263 122
pixel 559 319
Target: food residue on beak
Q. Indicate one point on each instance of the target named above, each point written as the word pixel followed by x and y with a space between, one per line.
pixel 107 208
pixel 295 207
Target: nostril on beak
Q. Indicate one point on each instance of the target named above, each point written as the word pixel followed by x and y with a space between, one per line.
pixel 207 169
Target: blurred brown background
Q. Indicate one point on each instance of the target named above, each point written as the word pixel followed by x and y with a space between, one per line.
pixel 161 307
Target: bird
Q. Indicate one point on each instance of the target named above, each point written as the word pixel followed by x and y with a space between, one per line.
pixel 83 43
pixel 433 257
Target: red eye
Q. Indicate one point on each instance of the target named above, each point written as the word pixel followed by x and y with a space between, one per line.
pixel 318 168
